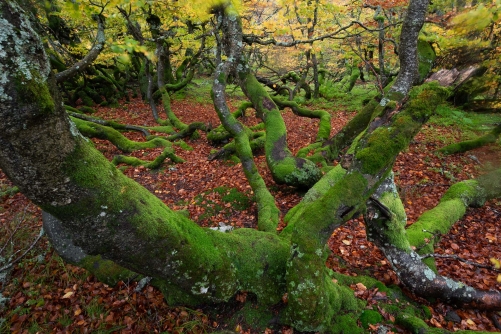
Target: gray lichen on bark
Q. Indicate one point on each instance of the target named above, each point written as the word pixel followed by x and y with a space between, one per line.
pixel 29 60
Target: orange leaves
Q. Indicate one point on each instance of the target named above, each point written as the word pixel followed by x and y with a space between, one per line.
pixel 387 4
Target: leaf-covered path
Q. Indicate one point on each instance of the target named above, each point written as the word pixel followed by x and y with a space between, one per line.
pixel 45 293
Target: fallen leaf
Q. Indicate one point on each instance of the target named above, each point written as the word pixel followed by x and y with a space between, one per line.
pixel 67 295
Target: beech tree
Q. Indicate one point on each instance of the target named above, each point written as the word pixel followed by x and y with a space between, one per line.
pixel 99 219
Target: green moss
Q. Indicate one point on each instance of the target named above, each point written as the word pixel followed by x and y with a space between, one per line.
pixel 222 78
pixel 384 143
pixel 305 176
pixel 427 56
pixel 87 110
pixel 411 323
pixel 107 271
pixel 8 191
pixel 168 152
pixel 35 90
pixel 426 312
pixel 468 191
pixel 346 323
pixel 469 144
pixel 318 190
pixel 394 227
pixel 183 145
pixel 370 317
pixel 262 275
pixel 354 127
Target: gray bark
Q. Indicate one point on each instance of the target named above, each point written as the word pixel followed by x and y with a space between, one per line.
pixel 414 20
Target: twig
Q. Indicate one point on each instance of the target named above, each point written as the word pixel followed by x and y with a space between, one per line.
pixel 455 257
pixel 10 264
pixel 18 226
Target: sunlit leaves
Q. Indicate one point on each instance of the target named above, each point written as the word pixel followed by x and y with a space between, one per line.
pixel 497 265
pixel 130 46
pixel 476 19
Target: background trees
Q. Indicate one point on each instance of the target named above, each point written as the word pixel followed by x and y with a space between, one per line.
pixel 99 219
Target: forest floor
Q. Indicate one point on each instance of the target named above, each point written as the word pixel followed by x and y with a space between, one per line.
pixel 47 296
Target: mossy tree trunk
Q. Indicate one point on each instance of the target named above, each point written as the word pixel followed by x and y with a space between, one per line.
pixel 285 168
pixel 99 219
pixel 416 62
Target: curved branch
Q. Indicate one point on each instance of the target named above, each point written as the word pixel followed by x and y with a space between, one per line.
pixel 90 57
pixel 324 126
pixel 268 213
pixel 467 145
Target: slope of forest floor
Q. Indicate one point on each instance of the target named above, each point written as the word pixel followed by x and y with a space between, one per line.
pixel 45 295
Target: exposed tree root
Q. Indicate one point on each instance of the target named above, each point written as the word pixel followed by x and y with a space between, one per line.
pixel 219 134
pixel 124 144
pixel 168 152
pixel 257 142
pixel 189 131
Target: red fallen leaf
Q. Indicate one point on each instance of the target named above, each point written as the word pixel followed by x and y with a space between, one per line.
pixel 110 317
pixel 454 246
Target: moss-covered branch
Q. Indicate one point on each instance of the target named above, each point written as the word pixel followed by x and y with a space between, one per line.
pixel 426 231
pixel 112 124
pixel 385 221
pixel 256 142
pixel 94 130
pixel 311 225
pixel 168 152
pixel 268 212
pixel 219 134
pixel 468 145
pixel 300 83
